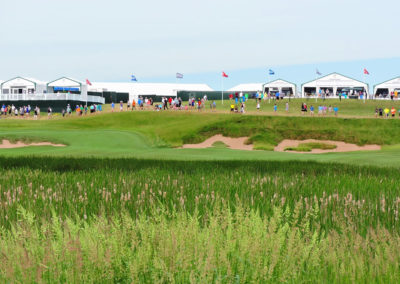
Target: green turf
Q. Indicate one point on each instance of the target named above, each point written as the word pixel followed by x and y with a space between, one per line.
pixel 152 135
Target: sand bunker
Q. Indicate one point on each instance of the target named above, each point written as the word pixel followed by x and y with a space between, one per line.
pixel 8 145
pixel 232 143
pixel 340 146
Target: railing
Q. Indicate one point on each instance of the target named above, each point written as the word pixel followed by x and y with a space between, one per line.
pixel 51 97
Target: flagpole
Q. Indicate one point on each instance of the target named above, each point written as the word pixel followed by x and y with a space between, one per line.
pixel 222 89
pixel 316 89
pixel 365 79
pixel 269 89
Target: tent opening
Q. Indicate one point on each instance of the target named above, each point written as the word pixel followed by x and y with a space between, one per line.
pixel 310 91
pixel 382 92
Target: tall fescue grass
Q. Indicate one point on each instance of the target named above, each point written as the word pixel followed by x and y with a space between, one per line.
pixel 126 220
pixel 222 246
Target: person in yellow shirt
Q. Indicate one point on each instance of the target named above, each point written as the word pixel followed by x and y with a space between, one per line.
pixel 395 94
pixel 386 110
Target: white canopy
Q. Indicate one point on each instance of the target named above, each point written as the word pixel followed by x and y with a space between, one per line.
pixel 252 87
pixel 333 83
pixel 66 83
pixel 280 86
pixel 23 85
pixel 387 87
pixel 143 89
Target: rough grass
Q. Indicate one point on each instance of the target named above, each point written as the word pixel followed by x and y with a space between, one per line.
pixel 308 147
pixel 125 220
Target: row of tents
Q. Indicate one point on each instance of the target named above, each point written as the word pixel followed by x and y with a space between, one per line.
pixel 332 85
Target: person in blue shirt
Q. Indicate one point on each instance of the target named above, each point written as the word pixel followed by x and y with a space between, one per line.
pixel 112 106
pixel 277 95
pixel 312 110
pixel 275 108
pixel 335 109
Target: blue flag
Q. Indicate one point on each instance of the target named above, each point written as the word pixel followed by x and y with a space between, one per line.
pixel 179 75
pixel 271 72
pixel 133 78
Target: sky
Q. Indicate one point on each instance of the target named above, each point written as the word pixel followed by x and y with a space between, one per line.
pixel 107 40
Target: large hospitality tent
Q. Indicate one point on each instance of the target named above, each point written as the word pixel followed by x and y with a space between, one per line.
pixel 334 84
pixel 146 89
pixel 20 85
pixel 65 84
pixel 252 88
pixel 387 87
pixel 285 88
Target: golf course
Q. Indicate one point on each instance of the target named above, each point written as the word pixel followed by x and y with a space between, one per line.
pixel 130 196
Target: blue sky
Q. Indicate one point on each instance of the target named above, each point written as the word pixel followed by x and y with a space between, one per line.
pixel 110 40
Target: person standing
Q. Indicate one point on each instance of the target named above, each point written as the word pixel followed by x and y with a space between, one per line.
pixel 336 109
pixel 287 107
pixel 386 110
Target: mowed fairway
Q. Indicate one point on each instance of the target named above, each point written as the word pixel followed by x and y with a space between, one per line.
pixel 123 202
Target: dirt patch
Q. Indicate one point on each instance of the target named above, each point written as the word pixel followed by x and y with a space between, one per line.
pixel 232 143
pixel 8 145
pixel 340 146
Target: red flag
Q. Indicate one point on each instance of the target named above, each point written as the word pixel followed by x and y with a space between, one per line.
pixel 88 82
pixel 224 74
pixel 366 72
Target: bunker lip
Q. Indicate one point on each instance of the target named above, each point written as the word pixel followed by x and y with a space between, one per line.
pixel 8 145
pixel 340 146
pixel 232 143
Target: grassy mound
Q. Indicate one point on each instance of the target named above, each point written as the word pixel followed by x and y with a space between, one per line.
pixel 219 144
pixel 308 147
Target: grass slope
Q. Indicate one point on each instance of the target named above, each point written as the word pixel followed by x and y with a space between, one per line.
pixel 151 135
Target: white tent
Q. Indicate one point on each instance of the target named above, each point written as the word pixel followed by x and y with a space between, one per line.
pixel 146 89
pixel 253 87
pixel 334 84
pixel 20 85
pixel 1 81
pixel 65 84
pixel 385 88
pixel 284 87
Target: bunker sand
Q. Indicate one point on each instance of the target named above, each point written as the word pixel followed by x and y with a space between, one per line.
pixel 8 145
pixel 232 143
pixel 340 146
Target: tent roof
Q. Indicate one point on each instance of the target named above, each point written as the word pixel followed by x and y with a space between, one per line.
pixel 247 87
pixel 31 80
pixel 280 82
pixel 65 82
pixel 394 82
pixel 336 77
